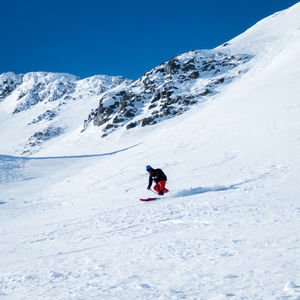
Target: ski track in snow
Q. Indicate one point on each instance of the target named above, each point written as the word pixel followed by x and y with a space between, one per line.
pixel 116 251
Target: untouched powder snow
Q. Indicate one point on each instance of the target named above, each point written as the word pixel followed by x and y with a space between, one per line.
pixel 73 227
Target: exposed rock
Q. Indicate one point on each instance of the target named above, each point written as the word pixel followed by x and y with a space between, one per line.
pixel 148 121
pixel 118 119
pixel 131 125
pixel 8 83
pixel 189 66
pixel 167 90
pixel 48 115
pixel 194 75
pixel 172 66
pixel 40 137
pixel 206 92
pixel 152 106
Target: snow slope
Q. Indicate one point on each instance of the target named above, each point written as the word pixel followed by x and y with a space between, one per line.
pixel 73 228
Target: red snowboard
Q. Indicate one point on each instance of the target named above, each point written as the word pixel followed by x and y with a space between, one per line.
pixel 149 199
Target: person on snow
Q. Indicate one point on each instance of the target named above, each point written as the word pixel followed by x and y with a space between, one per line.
pixel 159 178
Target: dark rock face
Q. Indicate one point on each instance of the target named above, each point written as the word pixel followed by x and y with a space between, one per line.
pixel 148 121
pixel 166 91
pixel 172 66
pixel 41 136
pixel 47 115
pixel 131 125
pixel 8 83
pixel 194 75
pixel 189 65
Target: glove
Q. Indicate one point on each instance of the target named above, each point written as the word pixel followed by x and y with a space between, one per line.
pixel 149 187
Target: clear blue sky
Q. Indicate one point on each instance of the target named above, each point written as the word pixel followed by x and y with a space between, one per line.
pixel 116 37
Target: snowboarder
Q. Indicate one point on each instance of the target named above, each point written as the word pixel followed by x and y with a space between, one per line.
pixel 159 178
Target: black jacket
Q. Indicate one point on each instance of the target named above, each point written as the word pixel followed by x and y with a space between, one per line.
pixel 157 175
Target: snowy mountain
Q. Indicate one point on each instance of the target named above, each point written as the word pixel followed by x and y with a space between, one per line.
pixel 41 106
pixel 36 100
pixel 72 223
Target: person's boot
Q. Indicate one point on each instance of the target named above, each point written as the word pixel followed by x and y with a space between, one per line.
pixel 161 193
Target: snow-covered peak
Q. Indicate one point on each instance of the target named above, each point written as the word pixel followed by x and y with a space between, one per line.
pixel 98 84
pixel 32 88
pixel 44 105
pixel 269 35
pixel 41 87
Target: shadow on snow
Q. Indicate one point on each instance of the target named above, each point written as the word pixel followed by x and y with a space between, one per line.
pixel 9 157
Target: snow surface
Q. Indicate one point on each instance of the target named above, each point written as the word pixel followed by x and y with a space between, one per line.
pixel 73 227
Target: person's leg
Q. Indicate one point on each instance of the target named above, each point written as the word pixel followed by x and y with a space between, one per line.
pixel 157 188
pixel 162 186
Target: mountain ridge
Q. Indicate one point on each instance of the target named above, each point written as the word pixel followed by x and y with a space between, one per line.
pixel 164 92
pixel 113 103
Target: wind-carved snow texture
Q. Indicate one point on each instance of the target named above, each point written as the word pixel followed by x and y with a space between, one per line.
pixel 10 169
pixel 292 290
pixel 168 90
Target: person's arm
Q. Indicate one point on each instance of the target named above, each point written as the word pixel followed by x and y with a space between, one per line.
pixel 150 182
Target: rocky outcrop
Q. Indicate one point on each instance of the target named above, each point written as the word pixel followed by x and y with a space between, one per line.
pixel 110 103
pixel 41 136
pixel 8 83
pixel 166 91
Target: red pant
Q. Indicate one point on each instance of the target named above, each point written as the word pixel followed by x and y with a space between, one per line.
pixel 160 187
